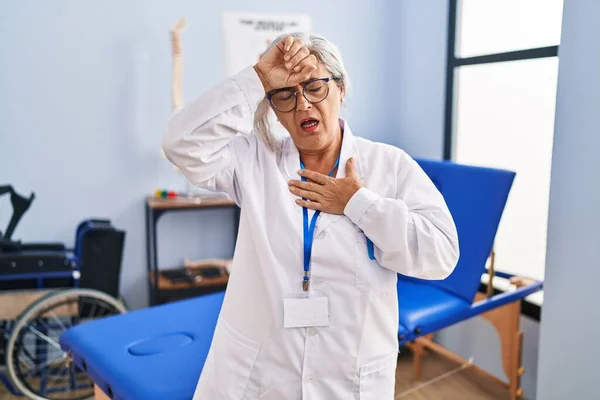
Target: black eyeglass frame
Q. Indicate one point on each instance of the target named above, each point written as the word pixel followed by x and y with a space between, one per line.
pixel 295 94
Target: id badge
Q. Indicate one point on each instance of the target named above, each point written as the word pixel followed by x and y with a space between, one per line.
pixel 302 310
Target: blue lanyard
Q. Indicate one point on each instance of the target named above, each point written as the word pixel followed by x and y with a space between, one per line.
pixel 309 232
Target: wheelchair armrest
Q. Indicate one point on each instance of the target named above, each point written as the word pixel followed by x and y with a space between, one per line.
pixel 9 245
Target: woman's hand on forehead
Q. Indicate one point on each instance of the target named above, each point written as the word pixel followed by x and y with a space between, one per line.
pixel 287 64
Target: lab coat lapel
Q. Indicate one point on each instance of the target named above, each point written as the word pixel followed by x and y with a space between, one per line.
pixel 290 164
pixel 348 151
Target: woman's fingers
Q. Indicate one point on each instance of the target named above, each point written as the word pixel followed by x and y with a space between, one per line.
pixel 296 66
pixel 305 194
pixel 287 43
pixel 310 186
pixel 295 48
pixel 306 73
pixel 299 56
pixel 309 60
pixel 313 205
pixel 314 176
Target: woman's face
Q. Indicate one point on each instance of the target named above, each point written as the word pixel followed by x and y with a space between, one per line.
pixel 313 127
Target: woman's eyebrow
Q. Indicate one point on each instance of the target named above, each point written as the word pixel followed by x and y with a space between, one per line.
pixel 304 83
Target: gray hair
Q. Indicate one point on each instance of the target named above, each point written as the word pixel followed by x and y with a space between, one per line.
pixel 327 54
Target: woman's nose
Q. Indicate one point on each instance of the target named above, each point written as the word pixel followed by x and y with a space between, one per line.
pixel 301 103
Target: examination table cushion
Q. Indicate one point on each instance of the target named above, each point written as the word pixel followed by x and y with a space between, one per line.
pixel 152 353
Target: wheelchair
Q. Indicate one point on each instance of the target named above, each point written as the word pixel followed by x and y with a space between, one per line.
pixel 47 288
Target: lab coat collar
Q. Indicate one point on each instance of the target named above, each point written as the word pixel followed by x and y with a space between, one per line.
pixel 291 165
pixel 291 156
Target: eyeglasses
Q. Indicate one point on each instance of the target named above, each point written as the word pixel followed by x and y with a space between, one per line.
pixel 314 91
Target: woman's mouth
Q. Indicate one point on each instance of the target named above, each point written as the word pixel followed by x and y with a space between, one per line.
pixel 309 124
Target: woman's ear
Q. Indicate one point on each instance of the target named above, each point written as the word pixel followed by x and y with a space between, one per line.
pixel 342 93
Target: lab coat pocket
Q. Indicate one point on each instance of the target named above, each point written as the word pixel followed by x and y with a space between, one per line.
pixel 377 379
pixel 371 277
pixel 232 360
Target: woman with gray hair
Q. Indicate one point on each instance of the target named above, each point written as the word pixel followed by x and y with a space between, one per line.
pixel 328 220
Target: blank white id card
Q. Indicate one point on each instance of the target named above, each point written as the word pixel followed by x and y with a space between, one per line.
pixel 305 312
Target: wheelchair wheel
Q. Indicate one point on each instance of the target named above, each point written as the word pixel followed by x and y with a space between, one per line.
pixel 37 365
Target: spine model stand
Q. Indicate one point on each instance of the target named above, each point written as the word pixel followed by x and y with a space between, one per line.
pixel 176 97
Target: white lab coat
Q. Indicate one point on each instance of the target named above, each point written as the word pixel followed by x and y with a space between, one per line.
pixel 252 355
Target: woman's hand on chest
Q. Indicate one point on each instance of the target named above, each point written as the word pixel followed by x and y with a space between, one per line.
pixel 324 193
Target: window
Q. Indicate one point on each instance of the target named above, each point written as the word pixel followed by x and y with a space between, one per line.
pixel 500 102
pixel 500 26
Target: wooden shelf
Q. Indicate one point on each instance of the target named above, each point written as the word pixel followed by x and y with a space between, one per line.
pixel 162 288
pixel 165 283
pixel 158 203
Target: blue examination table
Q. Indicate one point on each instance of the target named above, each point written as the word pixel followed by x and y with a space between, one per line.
pixel 159 352
pixel 476 197
pixel 153 353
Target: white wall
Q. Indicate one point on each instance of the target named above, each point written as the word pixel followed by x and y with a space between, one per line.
pixel 417 57
pixel 568 362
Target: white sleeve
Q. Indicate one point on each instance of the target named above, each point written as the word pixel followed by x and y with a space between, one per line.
pixel 413 234
pixel 209 138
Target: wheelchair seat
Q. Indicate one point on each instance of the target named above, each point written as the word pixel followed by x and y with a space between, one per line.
pixel 7 246
pixel 34 259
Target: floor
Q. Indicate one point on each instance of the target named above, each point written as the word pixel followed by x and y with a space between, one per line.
pixel 457 385
pixel 443 380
